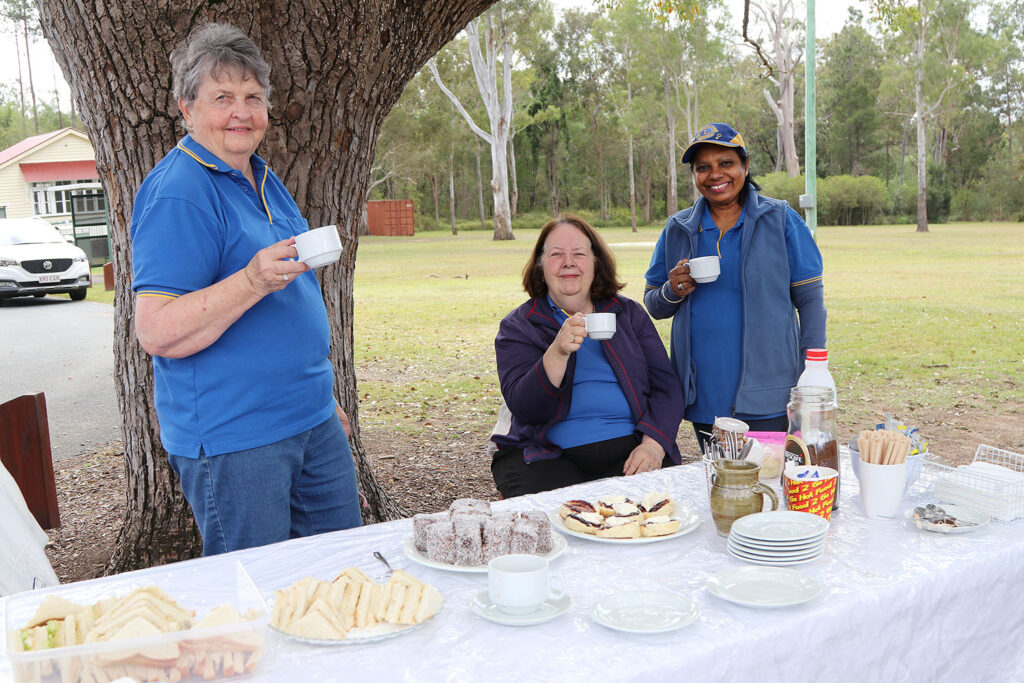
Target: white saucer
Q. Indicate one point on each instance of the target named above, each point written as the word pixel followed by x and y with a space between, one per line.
pixel 758 553
pixel 551 608
pixel 764 587
pixel 645 611
pixel 776 562
pixel 781 525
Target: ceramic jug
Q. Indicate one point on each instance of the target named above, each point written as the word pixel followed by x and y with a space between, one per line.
pixel 736 492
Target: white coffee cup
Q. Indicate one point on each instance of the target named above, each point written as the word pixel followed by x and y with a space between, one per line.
pixel 600 325
pixel 519 584
pixel 319 246
pixel 704 268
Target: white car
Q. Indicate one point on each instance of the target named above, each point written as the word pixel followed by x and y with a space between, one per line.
pixel 36 260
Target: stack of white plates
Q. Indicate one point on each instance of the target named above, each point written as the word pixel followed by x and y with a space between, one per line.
pixel 778 538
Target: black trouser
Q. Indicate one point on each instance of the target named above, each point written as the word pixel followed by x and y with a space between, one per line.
pixel 515 477
pixel 768 424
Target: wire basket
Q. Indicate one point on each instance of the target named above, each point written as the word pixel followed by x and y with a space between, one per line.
pixel 993 482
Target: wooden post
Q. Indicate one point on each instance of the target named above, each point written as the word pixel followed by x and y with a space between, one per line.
pixel 25 452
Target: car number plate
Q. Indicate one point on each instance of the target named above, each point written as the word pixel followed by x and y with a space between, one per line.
pixel 47 279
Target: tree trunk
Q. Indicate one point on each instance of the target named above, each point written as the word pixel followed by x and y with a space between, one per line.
pixel 435 194
pixel 480 188
pixel 922 168
pixel 451 187
pixel 21 87
pixel 553 178
pixel 114 55
pixel 513 198
pixel 671 183
pixel 28 62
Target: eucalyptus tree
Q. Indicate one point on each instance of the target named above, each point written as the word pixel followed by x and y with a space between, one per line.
pixel 497 33
pixel 786 34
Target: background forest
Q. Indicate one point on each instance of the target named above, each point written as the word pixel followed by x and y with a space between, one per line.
pixel 602 98
pixel 590 86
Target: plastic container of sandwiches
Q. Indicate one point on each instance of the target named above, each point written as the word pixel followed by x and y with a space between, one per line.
pixel 197 620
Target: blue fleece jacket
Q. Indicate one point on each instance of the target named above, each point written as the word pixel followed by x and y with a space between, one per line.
pixel 774 340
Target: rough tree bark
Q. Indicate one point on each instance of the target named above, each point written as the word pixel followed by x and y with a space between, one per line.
pixel 337 69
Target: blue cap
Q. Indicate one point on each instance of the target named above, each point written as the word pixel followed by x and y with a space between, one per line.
pixel 714 134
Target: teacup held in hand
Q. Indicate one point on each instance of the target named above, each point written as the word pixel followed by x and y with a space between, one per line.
pixel 319 246
pixel 600 325
pixel 704 268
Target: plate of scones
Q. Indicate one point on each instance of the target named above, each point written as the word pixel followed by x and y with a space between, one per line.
pixel 620 519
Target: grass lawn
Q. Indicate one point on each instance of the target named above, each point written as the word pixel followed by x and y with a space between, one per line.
pixel 915 321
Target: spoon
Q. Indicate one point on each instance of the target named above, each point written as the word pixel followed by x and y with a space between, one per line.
pixel 376 553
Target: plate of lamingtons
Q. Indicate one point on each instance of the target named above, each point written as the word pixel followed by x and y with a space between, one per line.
pixel 466 536
pixel 623 520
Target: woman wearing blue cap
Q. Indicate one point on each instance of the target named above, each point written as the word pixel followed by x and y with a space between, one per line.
pixel 738 342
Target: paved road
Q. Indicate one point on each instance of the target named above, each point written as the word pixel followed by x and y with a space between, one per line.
pixel 64 349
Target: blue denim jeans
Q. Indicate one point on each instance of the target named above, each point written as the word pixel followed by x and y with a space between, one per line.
pixel 299 486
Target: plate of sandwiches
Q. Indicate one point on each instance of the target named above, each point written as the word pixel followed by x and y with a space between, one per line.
pixel 353 608
pixel 619 519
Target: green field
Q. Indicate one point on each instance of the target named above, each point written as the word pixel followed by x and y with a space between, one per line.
pixel 915 321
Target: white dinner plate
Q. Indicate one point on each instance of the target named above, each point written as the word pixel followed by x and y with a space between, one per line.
pixel 687 516
pixel 770 556
pixel 816 538
pixel 763 586
pixel 373 634
pixel 645 611
pixel 558 546
pixel 551 608
pixel 781 525
pixel 779 562
pixel 976 519
pixel 776 547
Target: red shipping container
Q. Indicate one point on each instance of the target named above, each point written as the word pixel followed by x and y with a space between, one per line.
pixel 390 217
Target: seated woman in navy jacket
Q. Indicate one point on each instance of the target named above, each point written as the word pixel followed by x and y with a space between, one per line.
pixel 581 409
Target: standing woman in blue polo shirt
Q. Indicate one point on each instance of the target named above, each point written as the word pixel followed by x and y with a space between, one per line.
pixel 737 343
pixel 237 328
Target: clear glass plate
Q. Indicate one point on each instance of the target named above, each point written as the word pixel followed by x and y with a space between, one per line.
pixel 974 518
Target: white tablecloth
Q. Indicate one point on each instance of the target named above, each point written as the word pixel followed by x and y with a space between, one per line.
pixel 898 604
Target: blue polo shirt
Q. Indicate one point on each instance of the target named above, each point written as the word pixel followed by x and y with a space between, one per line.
pixel 268 377
pixel 716 313
pixel 599 410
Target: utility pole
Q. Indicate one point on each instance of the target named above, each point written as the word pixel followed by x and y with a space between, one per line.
pixel 809 200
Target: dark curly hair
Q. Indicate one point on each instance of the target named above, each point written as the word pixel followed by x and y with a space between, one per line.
pixel 606 281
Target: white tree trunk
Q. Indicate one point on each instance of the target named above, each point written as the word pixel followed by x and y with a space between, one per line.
pixel 919 116
pixel 781 20
pixel 498 106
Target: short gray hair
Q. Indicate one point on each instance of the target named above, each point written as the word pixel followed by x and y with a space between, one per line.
pixel 210 49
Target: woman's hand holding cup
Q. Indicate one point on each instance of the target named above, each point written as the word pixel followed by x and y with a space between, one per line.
pixel 272 268
pixel 571 336
pixel 680 281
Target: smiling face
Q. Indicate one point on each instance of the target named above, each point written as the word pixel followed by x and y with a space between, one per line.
pixel 228 116
pixel 568 263
pixel 719 174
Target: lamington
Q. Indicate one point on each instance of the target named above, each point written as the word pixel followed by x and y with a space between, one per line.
pixel 420 523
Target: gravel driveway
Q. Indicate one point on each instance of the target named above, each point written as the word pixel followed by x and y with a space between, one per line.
pixel 64 349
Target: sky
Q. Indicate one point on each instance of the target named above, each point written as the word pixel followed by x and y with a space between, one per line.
pixel 829 18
